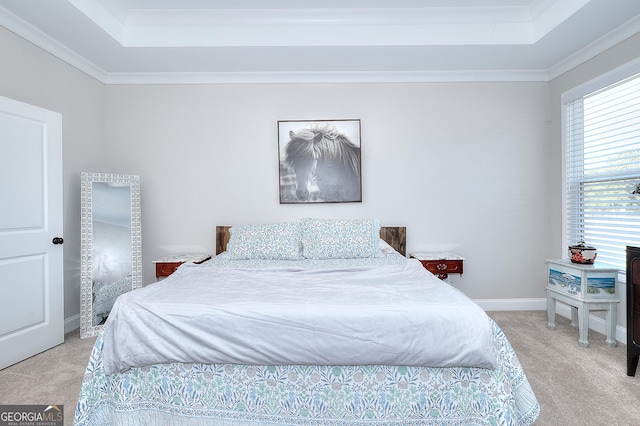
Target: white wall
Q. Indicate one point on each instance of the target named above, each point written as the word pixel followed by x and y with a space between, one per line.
pixel 30 75
pixel 464 166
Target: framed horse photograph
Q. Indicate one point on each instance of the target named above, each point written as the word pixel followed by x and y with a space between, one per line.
pixel 319 161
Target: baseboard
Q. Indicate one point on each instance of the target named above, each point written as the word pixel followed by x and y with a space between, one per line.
pixel 512 304
pixel 595 322
pixel 71 323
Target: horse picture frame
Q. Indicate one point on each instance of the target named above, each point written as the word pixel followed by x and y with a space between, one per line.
pixel 319 161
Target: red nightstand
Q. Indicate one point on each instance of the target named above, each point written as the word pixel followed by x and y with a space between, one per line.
pixel 440 264
pixel 167 265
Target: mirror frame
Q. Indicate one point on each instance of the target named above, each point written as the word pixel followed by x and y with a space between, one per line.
pixel 87 329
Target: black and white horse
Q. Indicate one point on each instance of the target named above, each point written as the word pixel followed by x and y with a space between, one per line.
pixel 326 165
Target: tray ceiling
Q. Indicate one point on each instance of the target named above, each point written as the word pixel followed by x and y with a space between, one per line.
pixel 193 41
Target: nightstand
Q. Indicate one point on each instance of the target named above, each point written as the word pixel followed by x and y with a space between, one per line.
pixel 168 264
pixel 440 263
pixel 583 287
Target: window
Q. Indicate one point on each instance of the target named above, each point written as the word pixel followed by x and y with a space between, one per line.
pixel 602 166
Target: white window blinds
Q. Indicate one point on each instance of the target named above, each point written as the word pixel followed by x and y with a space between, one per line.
pixel 602 142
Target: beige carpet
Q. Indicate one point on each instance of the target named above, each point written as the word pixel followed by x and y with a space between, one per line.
pixel 574 385
pixel 50 378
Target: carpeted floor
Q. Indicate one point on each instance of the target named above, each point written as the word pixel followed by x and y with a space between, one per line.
pixel 574 385
pixel 53 377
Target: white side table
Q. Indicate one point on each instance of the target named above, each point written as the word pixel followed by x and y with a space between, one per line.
pixel 584 288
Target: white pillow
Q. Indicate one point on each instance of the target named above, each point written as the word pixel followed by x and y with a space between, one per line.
pixel 340 238
pixel 278 241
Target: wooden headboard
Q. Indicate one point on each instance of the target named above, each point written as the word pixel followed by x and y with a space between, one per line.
pixel 396 236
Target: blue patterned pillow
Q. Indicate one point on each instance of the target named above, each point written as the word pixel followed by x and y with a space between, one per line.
pixel 278 241
pixel 340 239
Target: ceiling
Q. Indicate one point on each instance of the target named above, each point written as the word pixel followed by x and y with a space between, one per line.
pixel 201 41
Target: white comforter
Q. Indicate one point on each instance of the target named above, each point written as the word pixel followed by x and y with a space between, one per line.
pixel 390 315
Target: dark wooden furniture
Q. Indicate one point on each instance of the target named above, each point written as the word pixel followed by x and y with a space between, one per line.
pixel 164 269
pixel 442 268
pixel 633 309
pixel 167 265
pixel 440 264
pixel 395 236
pixel 222 238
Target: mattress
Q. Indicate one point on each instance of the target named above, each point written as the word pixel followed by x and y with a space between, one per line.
pixel 395 314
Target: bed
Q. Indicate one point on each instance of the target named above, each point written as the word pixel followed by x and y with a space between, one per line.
pixel 315 322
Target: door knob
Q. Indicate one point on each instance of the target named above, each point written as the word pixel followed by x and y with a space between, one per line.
pixel 57 240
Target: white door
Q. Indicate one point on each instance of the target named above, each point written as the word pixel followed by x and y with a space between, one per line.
pixel 31 285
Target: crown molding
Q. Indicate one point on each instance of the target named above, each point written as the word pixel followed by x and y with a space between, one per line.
pixel 326 77
pixel 623 32
pixel 33 35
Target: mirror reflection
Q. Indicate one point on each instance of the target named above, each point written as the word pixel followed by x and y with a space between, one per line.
pixel 111 251
pixel 110 245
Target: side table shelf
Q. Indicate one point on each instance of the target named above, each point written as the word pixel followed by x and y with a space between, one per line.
pixel 583 287
pixel 440 263
pixel 167 265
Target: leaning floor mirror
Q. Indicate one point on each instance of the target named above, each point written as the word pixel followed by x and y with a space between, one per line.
pixel 111 249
